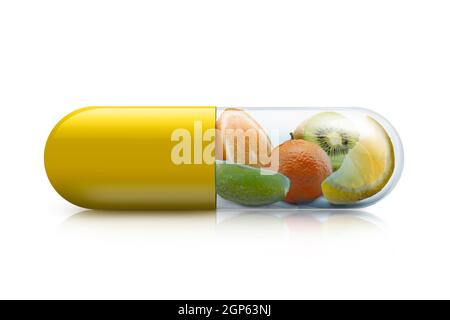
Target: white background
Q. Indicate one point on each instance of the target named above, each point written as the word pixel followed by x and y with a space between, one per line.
pixel 390 56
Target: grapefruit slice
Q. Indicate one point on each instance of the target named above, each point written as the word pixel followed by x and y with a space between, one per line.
pixel 366 169
pixel 240 139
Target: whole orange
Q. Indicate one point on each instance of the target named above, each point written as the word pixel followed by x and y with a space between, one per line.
pixel 306 165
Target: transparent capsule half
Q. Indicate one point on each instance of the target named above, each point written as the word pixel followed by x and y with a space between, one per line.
pixel 305 157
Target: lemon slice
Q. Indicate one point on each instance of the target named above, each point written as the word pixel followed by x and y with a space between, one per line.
pixel 366 169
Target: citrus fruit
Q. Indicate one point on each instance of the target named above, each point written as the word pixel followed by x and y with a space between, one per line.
pixel 366 169
pixel 241 139
pixel 306 165
pixel 248 185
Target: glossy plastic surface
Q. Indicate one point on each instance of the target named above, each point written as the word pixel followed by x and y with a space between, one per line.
pixel 121 158
pixel 145 158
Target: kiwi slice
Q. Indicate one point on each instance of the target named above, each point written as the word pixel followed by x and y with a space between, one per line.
pixel 333 132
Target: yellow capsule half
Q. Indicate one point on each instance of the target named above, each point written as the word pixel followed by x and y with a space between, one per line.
pixel 139 158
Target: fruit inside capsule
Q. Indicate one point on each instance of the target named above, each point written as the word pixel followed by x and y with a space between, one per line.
pixel 365 170
pixel 240 139
pixel 305 164
pixel 248 185
pixel 332 131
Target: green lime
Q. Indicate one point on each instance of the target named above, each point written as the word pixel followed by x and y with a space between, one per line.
pixel 248 185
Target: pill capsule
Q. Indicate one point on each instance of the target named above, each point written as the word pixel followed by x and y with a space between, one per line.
pixel 190 158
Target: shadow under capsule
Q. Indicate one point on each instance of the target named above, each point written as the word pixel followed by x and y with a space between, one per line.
pixel 246 225
pixel 300 225
pixel 143 224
